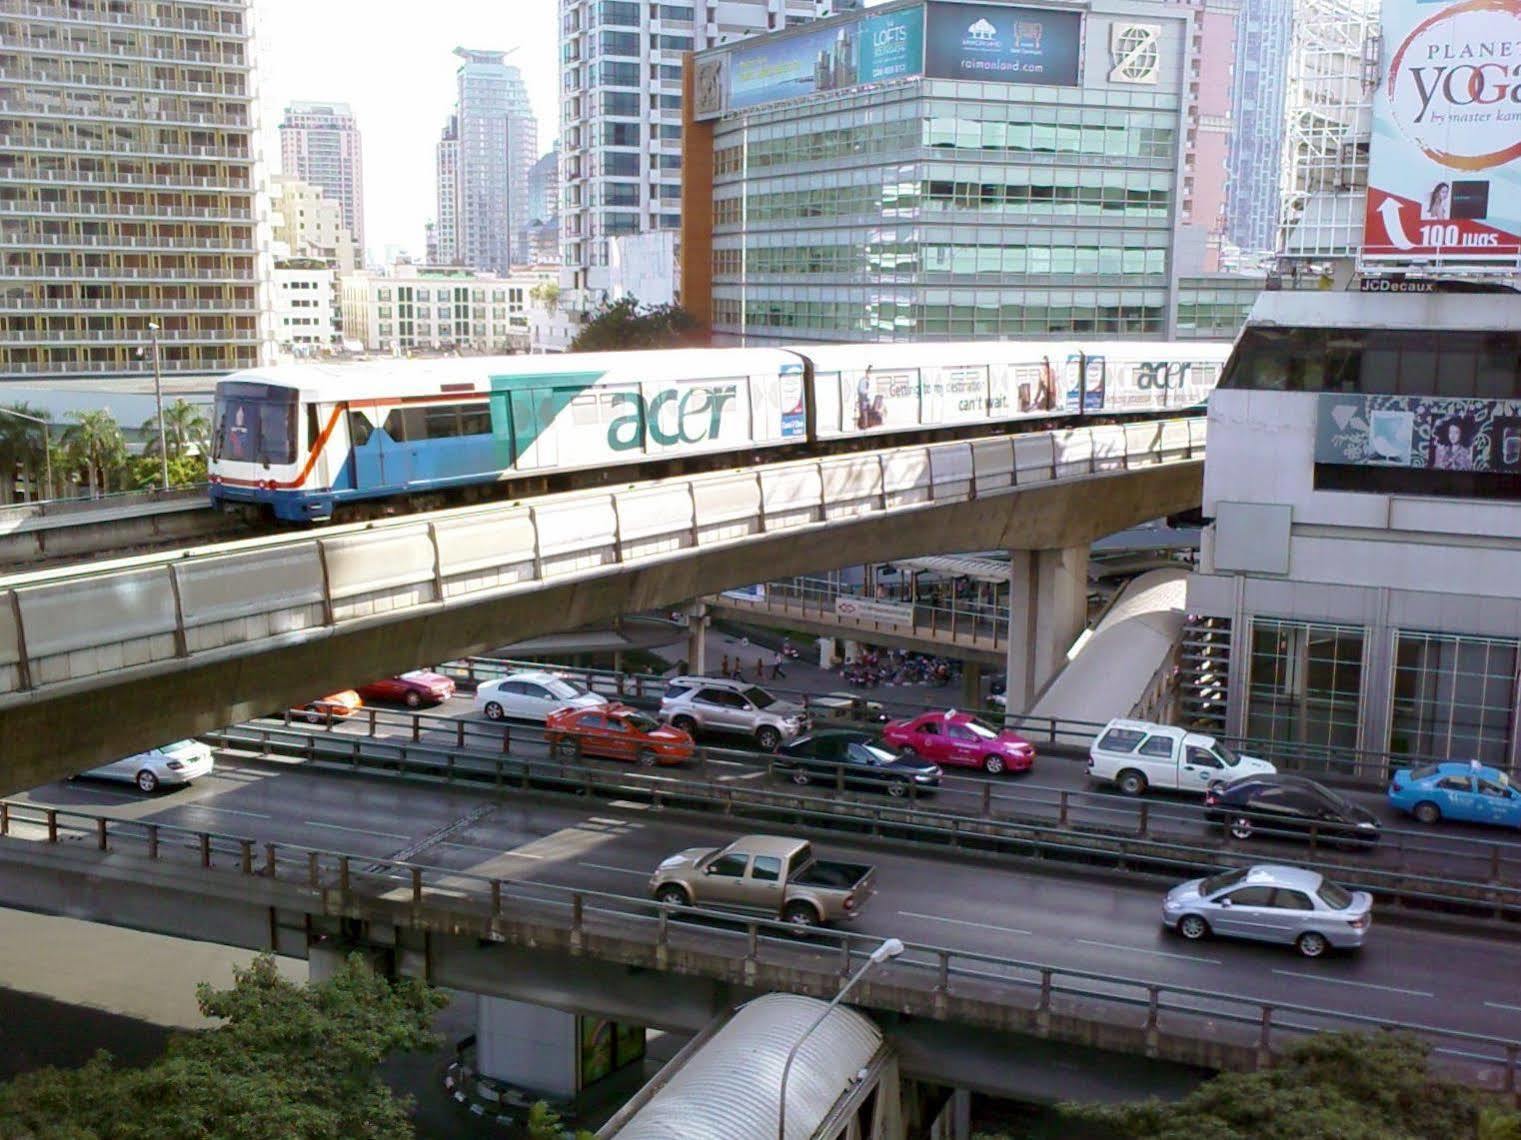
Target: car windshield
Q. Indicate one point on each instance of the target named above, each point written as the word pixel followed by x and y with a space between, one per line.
pixel 876 752
pixel 1337 898
pixel 1227 757
pixel 979 728
pixel 1224 879
pixel 417 675
pixel 565 690
pixel 759 698
pixel 1425 772
pixel 641 723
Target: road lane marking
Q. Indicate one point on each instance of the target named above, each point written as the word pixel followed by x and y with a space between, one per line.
pixel 231 811
pixel 1347 982
pixel 1502 1005
pixel 618 870
pixel 354 830
pixel 1153 953
pixel 962 922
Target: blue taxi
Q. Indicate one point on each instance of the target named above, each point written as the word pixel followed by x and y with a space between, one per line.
pixel 1468 793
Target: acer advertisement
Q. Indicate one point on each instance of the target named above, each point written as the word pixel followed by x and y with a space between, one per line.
pixel 1444 180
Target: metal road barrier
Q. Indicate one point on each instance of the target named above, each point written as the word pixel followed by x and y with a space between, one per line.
pixel 13 515
pixel 1228 1030
pixel 73 625
pixel 1137 847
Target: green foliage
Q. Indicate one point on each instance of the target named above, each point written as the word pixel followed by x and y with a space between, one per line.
pixel 1352 1086
pixel 96 448
pixel 627 324
pixel 21 443
pixel 287 1061
pixel 546 293
pixel 544 1124
pixel 145 472
pixel 185 428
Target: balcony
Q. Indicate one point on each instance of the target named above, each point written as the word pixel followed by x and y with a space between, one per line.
pixel 15 371
pixel 98 273
pixel 39 77
pixel 157 213
pixel 167 182
pixel 40 46
pixel 158 24
pixel 86 146
pixel 109 241
pixel 129 336
pixel 163 117
pixel 86 305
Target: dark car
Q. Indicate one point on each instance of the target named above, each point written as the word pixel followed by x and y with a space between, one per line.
pixel 1281 805
pixel 857 757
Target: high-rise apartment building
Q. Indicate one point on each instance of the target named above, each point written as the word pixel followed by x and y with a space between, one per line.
pixel 497 142
pixel 127 187
pixel 446 232
pixel 544 187
pixel 305 223
pixel 620 113
pixel 319 144
pixel 1263 31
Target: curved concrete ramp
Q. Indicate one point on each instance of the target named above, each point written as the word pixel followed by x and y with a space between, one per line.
pixel 1115 665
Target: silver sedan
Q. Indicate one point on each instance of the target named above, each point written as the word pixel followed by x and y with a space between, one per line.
pixel 1271 903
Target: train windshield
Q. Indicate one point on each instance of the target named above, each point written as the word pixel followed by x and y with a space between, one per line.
pixel 255 423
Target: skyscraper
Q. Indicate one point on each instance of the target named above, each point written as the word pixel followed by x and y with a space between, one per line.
pixel 497 144
pixel 319 144
pixel 620 114
pixel 447 251
pixel 127 189
pixel 1261 82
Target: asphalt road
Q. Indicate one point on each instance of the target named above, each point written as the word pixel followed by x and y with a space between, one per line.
pixel 1444 980
pixel 1465 851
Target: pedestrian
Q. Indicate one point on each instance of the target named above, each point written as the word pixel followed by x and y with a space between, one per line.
pixel 723 670
pixel 760 669
pixel 776 665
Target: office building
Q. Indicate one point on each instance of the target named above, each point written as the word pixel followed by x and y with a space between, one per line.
pixel 1208 122
pixel 319 144
pixel 495 144
pixel 305 294
pixel 543 231
pixel 1263 30
pixel 305 223
pixel 437 309
pixel 847 181
pixel 446 170
pixel 128 182
pixel 620 116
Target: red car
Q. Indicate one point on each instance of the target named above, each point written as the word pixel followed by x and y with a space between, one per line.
pixel 618 733
pixel 413 689
pixel 958 739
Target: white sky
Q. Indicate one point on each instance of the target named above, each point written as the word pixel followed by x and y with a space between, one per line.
pixel 393 62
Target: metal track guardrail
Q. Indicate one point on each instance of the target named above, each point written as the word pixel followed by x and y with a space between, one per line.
pixel 1230 1030
pixel 501 771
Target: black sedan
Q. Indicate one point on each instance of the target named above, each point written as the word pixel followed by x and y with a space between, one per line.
pixel 860 759
pixel 1282 805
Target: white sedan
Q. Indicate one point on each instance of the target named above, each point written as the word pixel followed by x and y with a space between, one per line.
pixel 532 696
pixel 172 765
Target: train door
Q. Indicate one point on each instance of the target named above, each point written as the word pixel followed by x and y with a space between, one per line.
pixel 533 445
pixel 366 461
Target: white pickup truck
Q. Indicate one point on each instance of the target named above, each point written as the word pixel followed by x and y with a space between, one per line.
pixel 1137 755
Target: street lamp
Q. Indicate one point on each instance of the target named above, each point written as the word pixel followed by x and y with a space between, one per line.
pixel 890 948
pixel 158 398
pixel 47 447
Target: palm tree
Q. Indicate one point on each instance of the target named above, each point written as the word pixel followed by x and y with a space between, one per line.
pixel 96 443
pixel 21 443
pixel 184 425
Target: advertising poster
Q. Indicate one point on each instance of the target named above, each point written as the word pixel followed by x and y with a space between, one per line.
pixel 1419 431
pixel 1444 179
pixel 1004 44
pixel 891 46
pixel 794 410
pixel 805 64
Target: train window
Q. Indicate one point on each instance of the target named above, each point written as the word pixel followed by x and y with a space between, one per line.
pixel 441 421
pixel 475 419
pixel 406 425
pixel 312 428
pixel 583 410
pixel 359 428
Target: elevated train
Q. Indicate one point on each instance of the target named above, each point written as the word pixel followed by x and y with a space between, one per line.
pixel 303 443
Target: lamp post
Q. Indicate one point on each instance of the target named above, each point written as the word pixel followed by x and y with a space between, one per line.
pixel 890 948
pixel 158 399
pixel 47 447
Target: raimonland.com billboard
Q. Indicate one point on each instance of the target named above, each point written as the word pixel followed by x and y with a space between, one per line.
pixel 1005 44
pixel 1444 177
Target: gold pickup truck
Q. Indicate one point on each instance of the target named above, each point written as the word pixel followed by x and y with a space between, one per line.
pixel 771 874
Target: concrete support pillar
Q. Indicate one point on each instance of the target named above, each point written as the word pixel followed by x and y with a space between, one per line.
pixel 971 684
pixel 961 1115
pixel 697 638
pixel 852 649
pixel 1048 609
pixel 527 1046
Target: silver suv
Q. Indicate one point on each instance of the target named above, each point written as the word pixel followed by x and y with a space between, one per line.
pixel 715 704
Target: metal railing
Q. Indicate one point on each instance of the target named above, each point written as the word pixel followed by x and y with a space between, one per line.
pixel 929 980
pixel 14 514
pixel 1028 822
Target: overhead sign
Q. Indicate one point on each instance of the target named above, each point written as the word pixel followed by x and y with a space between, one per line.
pixel 878 613
pixel 1444 180
pixel 1004 44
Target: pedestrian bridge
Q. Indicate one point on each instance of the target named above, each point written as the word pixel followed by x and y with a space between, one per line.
pixel 100 660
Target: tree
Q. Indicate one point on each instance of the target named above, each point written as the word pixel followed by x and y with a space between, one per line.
pixel 286 1061
pixel 546 293
pixel 627 324
pixel 145 473
pixel 96 444
pixel 21 443
pixel 1353 1086
pixel 184 426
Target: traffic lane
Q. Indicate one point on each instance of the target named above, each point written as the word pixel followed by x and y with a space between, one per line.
pixel 1466 851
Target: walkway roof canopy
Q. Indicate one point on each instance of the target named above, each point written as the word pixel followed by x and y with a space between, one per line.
pixel 957 566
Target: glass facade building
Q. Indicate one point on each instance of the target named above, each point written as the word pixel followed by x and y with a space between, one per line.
pixel 926 207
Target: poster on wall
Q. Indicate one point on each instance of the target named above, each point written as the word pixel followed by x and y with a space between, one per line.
pixel 1444 181
pixel 1004 44
pixel 1419 431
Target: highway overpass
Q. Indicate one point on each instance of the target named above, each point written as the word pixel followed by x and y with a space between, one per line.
pixel 101 660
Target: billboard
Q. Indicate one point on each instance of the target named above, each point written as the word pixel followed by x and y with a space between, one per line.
pixel 1441 434
pixel 847 54
pixel 1004 44
pixel 1444 181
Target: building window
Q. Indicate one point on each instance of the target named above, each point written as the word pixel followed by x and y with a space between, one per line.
pixel 1453 697
pixel 1304 685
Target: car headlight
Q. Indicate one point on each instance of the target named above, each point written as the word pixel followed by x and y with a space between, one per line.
pixel 1367 826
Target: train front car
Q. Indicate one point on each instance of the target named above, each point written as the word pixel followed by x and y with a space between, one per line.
pixel 262 448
